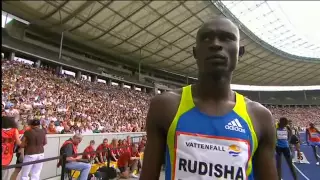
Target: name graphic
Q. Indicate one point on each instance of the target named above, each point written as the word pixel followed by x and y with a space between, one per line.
pixel 211 170
pixel 205 146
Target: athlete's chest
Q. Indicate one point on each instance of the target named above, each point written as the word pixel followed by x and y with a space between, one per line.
pixel 230 126
pixel 212 147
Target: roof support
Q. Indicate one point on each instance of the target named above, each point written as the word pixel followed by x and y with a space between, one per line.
pixel 148 26
pixel 73 14
pixel 53 11
pixel 124 19
pixel 171 43
pixel 92 16
pixel 61 45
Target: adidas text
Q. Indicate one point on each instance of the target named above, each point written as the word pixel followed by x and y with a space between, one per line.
pixel 235 128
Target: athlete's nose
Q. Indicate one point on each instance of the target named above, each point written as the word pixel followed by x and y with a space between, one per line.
pixel 215 45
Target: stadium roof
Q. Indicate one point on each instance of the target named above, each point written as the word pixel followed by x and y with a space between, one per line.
pixel 161 34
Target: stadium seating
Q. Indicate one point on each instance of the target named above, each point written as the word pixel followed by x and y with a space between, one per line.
pixel 65 106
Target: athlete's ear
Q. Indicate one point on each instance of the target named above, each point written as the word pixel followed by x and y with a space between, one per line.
pixel 241 51
pixel 194 52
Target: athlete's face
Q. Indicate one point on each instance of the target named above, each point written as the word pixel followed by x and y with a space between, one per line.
pixel 217 48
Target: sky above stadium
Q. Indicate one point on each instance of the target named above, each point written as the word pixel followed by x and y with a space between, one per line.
pixel 291 26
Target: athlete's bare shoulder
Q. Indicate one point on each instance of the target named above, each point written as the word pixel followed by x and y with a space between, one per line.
pixel 161 112
pixel 163 107
pixel 264 125
pixel 261 117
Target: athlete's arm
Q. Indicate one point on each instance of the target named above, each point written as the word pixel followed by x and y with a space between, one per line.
pixel 289 132
pixel 17 137
pixel 264 155
pixel 307 135
pixel 155 147
pixel 297 133
pixel 134 158
pixel 24 139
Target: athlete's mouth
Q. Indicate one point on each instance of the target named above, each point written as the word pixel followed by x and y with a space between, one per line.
pixel 217 59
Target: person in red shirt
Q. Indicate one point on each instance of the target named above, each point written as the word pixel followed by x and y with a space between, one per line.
pixel 26 127
pixel 126 146
pixel 128 162
pixel 19 153
pixel 142 145
pixel 90 156
pixel 114 150
pixel 102 156
pixel 10 137
pixel 129 141
pixel 120 146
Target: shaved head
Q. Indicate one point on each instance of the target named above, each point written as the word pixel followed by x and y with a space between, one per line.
pixel 218 20
pixel 217 48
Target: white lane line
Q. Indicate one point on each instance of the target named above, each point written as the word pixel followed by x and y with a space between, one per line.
pixel 300 172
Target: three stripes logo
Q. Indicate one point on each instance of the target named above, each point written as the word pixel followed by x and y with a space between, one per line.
pixel 235 125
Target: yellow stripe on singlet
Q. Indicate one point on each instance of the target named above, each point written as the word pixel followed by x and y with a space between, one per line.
pixel 186 103
pixel 241 110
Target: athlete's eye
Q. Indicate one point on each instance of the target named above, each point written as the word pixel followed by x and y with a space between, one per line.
pixel 205 38
pixel 226 38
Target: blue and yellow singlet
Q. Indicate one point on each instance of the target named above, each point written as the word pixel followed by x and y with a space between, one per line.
pixel 203 147
pixel 282 137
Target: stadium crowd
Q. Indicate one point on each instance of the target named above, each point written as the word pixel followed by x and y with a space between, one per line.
pixel 65 106
pixel 80 106
pixel 300 116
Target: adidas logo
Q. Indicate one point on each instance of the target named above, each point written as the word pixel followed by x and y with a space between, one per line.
pixel 235 125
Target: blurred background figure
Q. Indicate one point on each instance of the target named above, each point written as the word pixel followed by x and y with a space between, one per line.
pixel 89 156
pixel 74 161
pixel 10 138
pixel 19 153
pixel 33 143
pixel 102 156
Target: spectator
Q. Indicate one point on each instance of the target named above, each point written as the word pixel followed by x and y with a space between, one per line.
pixel 128 162
pixel 114 150
pixel 89 156
pixel 74 161
pixel 96 130
pixel 19 154
pixel 52 129
pixel 66 130
pixel 10 137
pixel 33 143
pixel 102 155
pixel 142 144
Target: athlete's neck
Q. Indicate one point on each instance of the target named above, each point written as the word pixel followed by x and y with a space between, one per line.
pixel 217 89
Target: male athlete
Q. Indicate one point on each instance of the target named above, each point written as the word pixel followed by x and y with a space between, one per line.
pixel 206 130
pixel 282 148
pixel 294 141
pixel 313 139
